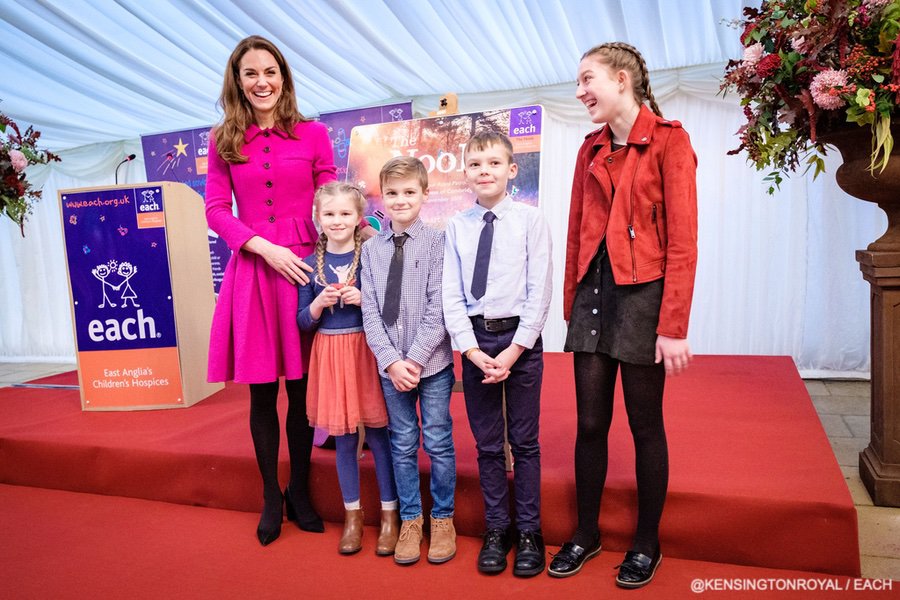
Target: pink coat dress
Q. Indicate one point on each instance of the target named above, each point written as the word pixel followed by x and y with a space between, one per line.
pixel 254 337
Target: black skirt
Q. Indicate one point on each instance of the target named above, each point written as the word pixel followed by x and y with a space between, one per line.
pixel 618 320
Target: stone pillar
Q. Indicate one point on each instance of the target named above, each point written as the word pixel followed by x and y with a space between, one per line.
pixel 879 463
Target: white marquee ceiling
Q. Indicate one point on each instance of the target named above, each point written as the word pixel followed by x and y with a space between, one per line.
pixel 102 70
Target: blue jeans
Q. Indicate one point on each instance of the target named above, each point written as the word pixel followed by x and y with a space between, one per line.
pixel 433 394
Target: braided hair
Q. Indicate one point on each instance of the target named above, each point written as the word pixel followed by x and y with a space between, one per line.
pixel 333 190
pixel 622 56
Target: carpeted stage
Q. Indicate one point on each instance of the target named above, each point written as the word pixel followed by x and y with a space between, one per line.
pixel 753 479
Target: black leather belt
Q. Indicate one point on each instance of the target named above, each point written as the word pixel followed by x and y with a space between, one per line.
pixel 495 325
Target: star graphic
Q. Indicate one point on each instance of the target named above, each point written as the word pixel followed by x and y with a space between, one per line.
pixel 181 148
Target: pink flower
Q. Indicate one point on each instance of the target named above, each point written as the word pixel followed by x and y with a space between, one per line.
pixel 752 54
pixel 826 88
pixel 798 44
pixel 19 162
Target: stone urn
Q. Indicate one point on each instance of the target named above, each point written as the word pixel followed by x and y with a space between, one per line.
pixel 853 176
pixel 879 463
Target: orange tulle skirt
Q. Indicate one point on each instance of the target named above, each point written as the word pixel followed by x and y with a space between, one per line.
pixel 344 385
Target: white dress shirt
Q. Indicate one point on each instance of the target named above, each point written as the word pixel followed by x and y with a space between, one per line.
pixel 519 278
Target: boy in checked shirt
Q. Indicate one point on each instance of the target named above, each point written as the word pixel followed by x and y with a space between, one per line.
pixel 404 324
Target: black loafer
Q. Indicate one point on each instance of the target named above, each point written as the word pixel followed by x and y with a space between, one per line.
pixel 530 554
pixel 571 557
pixel 496 545
pixel 637 569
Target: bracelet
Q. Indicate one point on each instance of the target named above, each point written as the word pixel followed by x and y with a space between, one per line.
pixel 469 352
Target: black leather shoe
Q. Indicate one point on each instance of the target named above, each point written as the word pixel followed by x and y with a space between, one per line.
pixel 571 557
pixel 492 558
pixel 306 517
pixel 530 554
pixel 637 569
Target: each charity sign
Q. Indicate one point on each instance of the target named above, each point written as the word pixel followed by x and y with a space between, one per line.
pixel 122 296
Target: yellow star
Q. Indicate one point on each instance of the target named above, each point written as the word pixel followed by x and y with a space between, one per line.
pixel 181 147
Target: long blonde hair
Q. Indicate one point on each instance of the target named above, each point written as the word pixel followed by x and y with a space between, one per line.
pixel 621 56
pixel 332 190
pixel 229 135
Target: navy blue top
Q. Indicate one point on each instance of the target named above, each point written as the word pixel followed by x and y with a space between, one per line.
pixel 344 319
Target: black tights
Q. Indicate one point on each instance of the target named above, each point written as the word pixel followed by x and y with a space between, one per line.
pixel 595 381
pixel 266 436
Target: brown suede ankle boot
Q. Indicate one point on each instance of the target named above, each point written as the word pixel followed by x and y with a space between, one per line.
pixel 351 539
pixel 443 541
pixel 410 542
pixel 390 531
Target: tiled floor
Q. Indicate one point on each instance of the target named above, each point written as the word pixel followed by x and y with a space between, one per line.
pixel 843 407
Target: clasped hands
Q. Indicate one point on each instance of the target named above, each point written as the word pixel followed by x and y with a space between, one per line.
pixel 405 374
pixel 496 369
pixel 337 292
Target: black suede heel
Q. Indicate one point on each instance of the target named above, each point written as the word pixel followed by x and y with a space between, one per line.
pixel 307 519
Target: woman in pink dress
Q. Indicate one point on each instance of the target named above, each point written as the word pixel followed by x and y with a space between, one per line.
pixel 272 159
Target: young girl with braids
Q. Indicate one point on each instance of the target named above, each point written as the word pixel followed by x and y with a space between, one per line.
pixel 630 260
pixel 344 386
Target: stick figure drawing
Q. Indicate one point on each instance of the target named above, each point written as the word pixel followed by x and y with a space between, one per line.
pixel 101 272
pixel 127 271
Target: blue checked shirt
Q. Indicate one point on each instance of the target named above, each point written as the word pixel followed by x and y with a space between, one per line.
pixel 519 277
pixel 419 333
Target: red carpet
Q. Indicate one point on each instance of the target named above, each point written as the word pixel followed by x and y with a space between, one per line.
pixel 753 478
pixel 64 545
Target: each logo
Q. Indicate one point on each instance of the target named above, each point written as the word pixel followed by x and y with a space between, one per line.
pixel 148 201
pixel 115 279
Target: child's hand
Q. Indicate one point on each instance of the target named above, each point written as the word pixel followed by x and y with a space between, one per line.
pixel 329 297
pixel 675 353
pixel 489 366
pixel 351 295
pixel 506 360
pixel 495 375
pixel 404 375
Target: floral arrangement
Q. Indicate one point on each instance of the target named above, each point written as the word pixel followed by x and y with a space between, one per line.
pixel 18 151
pixel 809 65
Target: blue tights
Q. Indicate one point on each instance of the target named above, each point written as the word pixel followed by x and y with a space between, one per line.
pixel 348 463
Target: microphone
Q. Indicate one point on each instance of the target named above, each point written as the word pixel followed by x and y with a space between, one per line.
pixel 128 158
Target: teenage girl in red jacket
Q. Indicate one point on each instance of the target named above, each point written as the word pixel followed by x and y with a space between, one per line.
pixel 631 255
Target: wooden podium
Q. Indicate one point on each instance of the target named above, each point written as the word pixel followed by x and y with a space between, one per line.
pixel 141 292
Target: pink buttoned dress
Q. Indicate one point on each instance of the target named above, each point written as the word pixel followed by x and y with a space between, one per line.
pixel 254 337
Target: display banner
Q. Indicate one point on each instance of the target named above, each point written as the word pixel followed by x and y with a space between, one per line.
pixel 439 142
pixel 340 125
pixel 118 263
pixel 182 156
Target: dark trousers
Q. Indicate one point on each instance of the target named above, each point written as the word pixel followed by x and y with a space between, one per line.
pixel 484 405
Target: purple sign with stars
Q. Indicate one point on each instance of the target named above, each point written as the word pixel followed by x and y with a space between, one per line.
pixel 182 156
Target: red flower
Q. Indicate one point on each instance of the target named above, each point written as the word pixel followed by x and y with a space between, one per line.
pixel 768 65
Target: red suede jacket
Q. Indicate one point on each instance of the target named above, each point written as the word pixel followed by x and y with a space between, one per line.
pixel 651 228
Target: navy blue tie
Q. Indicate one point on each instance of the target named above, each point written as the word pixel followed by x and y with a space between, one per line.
pixel 391 309
pixel 483 256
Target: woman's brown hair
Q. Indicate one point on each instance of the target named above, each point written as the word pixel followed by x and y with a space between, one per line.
pixel 229 135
